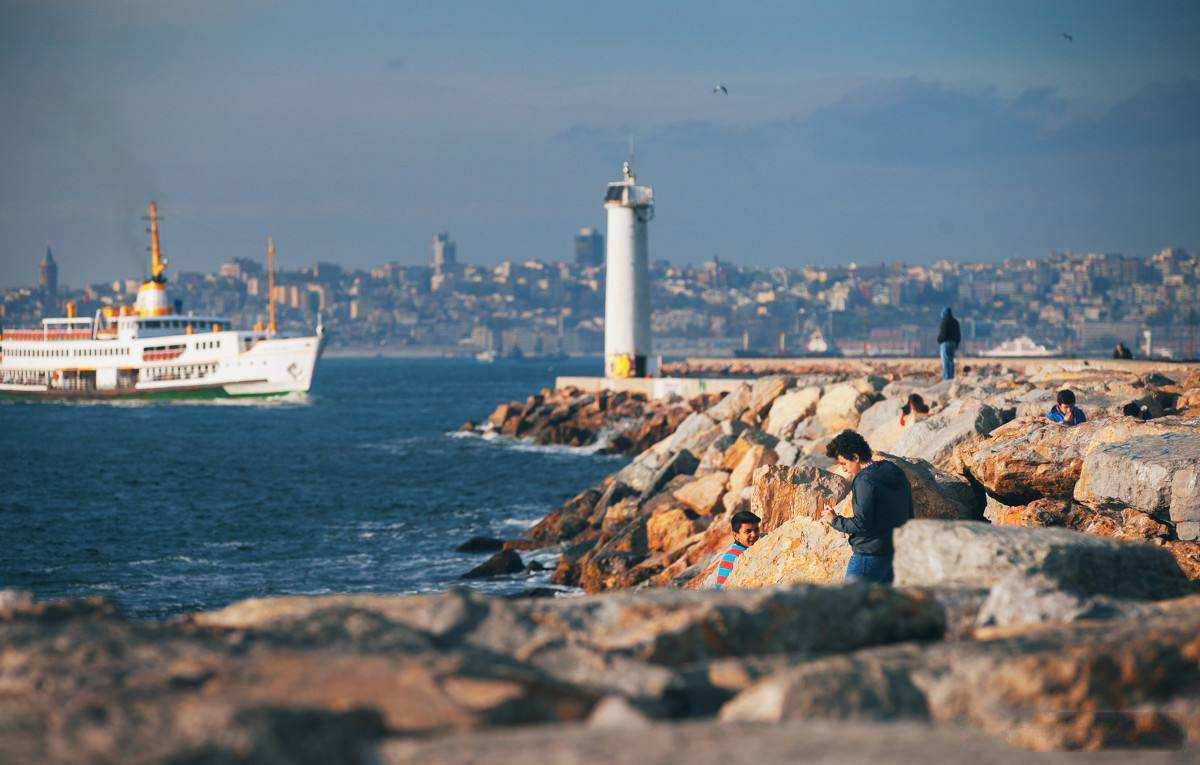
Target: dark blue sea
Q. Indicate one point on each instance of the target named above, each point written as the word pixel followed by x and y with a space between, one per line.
pixel 361 485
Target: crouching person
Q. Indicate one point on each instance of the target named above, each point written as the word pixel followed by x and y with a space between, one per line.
pixel 745 533
pixel 882 501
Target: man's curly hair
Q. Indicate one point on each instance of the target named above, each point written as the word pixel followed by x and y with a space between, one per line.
pixel 848 444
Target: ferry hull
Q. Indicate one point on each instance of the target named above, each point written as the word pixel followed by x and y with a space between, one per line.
pixel 272 367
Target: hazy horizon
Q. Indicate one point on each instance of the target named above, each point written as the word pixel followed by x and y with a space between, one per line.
pixel 352 134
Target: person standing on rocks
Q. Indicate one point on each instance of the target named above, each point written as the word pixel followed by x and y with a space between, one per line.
pixel 745 533
pixel 882 502
pixel 948 339
pixel 1064 411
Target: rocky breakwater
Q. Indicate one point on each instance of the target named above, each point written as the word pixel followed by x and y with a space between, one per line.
pixel 663 519
pixel 340 678
pixel 1108 661
pixel 613 422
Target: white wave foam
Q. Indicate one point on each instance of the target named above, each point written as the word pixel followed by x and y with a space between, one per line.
pixel 528 445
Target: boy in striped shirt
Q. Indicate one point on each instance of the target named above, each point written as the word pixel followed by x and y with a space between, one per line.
pixel 745 533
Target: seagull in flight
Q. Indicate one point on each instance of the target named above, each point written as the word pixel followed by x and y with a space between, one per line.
pixel 721 89
pixel 1068 37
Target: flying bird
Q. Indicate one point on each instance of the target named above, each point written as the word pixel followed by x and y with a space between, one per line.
pixel 721 89
pixel 1068 37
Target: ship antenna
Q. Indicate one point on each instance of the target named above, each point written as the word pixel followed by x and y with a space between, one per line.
pixel 270 286
pixel 158 264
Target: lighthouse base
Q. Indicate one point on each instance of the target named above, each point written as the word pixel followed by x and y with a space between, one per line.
pixel 621 365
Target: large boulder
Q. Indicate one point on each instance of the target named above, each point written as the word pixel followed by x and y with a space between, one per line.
pixel 746 440
pixel 803 549
pixel 703 495
pixel 975 554
pixel 937 493
pixel 765 390
pixel 1029 458
pixel 1156 475
pixel 782 493
pixel 791 408
pixel 756 456
pixel 1122 523
pixel 732 406
pixel 842 405
pixel 880 424
pixel 1090 685
pixel 935 437
pixel 695 433
pixel 666 530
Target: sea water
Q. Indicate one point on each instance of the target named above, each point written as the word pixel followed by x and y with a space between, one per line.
pixel 360 485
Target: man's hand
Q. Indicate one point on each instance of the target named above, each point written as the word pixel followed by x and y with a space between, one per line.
pixel 826 512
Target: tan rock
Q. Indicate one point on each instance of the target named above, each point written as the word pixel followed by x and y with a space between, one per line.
pixel 755 457
pixel 1051 512
pixel 800 550
pixel 1030 458
pixel 666 530
pixel 936 493
pixel 841 406
pixel 783 493
pixel 791 408
pixel 704 494
pixel 1156 474
pixel 765 390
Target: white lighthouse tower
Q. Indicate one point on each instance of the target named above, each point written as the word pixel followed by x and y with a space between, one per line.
pixel 627 293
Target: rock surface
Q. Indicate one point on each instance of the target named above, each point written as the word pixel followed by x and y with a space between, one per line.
pixel 1155 475
pixel 974 554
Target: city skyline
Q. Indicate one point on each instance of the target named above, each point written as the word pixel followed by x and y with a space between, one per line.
pixel 865 132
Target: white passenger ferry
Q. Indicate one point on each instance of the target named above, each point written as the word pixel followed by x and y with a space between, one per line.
pixel 149 351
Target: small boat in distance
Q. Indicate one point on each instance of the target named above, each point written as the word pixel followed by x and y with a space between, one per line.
pixel 487 357
pixel 1020 347
pixel 149 350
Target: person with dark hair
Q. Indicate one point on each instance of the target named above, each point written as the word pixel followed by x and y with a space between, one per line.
pixel 1064 412
pixel 745 533
pixel 948 339
pixel 1134 409
pixel 1121 352
pixel 915 407
pixel 882 502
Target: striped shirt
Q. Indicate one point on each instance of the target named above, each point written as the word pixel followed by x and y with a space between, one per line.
pixel 725 567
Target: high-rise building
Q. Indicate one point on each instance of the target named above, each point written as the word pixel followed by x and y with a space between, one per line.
pixel 445 254
pixel 589 247
pixel 48 282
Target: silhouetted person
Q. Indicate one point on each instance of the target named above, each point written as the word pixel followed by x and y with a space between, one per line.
pixel 1121 352
pixel 948 339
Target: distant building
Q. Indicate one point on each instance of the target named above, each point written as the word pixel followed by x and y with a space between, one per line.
pixel 445 254
pixel 445 262
pixel 589 247
pixel 48 281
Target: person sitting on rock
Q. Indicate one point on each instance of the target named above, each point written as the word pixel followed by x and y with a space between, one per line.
pixel 915 407
pixel 1065 412
pixel 745 533
pixel 1136 410
pixel 882 502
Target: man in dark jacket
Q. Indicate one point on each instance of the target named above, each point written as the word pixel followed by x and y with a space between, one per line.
pixel 948 339
pixel 882 502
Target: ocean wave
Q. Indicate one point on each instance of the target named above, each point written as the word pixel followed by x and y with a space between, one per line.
pixel 528 445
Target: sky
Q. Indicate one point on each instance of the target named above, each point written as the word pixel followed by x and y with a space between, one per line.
pixel 353 132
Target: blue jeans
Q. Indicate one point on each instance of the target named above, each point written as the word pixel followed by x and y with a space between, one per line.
pixel 870 568
pixel 948 350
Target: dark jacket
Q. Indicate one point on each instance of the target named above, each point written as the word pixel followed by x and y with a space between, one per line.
pixel 882 501
pixel 948 331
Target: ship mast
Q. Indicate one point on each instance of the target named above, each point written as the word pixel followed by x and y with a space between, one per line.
pixel 157 263
pixel 270 286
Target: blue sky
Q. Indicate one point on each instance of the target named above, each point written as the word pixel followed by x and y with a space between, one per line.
pixel 352 132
